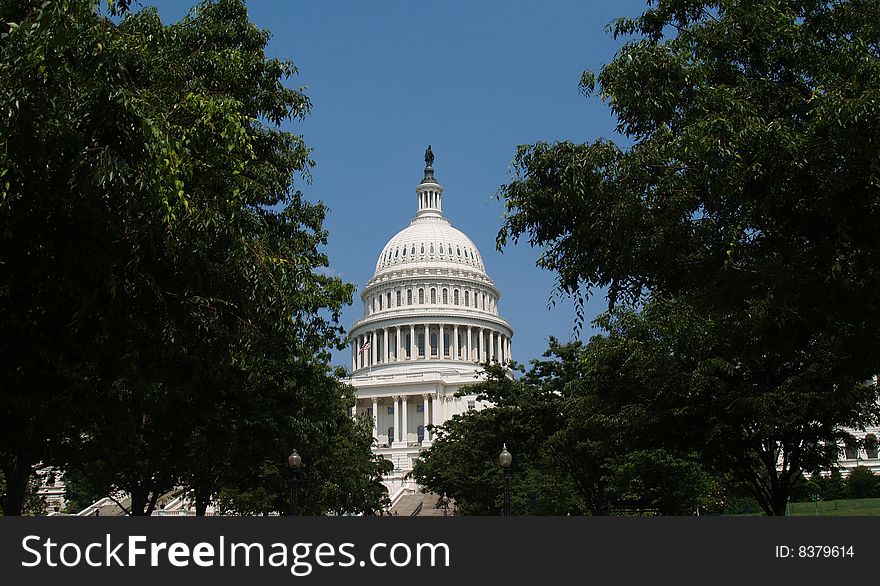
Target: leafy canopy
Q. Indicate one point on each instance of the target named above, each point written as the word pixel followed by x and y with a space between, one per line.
pixel 165 320
pixel 743 205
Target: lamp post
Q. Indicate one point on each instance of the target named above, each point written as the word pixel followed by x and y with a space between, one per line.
pixel 294 462
pixel 505 459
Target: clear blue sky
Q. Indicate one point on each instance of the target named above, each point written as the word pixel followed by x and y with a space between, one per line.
pixel 474 79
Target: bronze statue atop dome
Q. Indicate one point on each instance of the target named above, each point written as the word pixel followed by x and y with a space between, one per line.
pixel 429 166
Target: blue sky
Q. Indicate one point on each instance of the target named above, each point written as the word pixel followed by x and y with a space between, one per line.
pixel 473 79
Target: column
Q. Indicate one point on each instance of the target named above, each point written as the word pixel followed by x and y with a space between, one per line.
pixel 427 341
pixel 467 345
pixel 395 420
pixel 491 340
pixel 498 343
pixel 374 347
pixel 398 342
pixel 454 352
pixel 426 420
pixel 403 425
pixel 440 343
pixel 508 348
pixel 413 348
pixel 354 354
pixel 385 344
pixel 375 417
pixel 482 345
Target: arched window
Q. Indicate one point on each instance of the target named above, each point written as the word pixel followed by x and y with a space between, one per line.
pixel 390 435
pixel 404 251
pixel 871 446
pixel 423 249
pixel 432 248
pixel 467 298
pixel 455 297
pixel 398 298
pixel 433 295
pixel 395 253
pixel 458 250
pixel 413 251
pixel 421 296
pixel 421 344
pixel 388 300
pixel 445 296
pixel 409 296
pixel 434 344
pixel 441 248
pixel 420 431
pixel 380 301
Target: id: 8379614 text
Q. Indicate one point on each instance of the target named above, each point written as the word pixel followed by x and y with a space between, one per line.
pixel 815 551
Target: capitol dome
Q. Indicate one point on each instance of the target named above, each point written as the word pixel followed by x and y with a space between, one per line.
pixel 430 320
pixel 429 241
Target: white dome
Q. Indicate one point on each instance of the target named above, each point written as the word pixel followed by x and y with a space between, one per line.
pixel 429 241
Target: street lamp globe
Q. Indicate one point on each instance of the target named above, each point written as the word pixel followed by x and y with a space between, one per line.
pixel 504 458
pixel 294 460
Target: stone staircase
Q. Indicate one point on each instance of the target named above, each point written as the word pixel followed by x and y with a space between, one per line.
pixel 421 504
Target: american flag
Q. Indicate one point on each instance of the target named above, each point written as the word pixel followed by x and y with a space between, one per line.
pixel 365 347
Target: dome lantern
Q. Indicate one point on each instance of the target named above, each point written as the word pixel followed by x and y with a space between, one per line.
pixel 429 191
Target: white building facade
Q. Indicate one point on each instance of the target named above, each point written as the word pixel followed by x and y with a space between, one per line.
pixel 430 317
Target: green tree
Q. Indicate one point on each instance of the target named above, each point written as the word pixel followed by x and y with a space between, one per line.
pixel 862 483
pixel 339 474
pixel 575 449
pixel 164 320
pixel 833 486
pixel 699 388
pixel 747 196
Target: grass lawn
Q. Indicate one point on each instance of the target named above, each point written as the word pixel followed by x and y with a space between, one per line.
pixel 848 507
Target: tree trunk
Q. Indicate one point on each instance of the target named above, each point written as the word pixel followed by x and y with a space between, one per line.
pixel 17 470
pixel 780 499
pixel 203 499
pixel 153 500
pixel 138 501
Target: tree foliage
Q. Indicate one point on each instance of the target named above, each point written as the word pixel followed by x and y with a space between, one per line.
pixel 575 451
pixel 862 483
pixel 751 177
pixel 164 323
pixel 760 419
pixel 747 199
